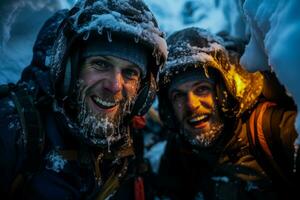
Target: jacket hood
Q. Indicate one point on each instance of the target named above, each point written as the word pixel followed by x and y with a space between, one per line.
pixel 129 19
pixel 38 73
pixel 197 48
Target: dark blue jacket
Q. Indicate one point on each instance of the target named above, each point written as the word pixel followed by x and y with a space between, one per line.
pixel 65 169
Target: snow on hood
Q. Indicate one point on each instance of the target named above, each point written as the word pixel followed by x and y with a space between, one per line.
pixel 115 20
pixel 127 18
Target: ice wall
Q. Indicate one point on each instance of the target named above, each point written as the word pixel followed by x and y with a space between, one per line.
pixel 274 43
pixel 20 21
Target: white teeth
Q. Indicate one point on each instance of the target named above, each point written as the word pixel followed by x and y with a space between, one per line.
pixel 104 103
pixel 199 118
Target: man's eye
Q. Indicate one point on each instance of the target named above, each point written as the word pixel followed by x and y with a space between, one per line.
pixel 202 90
pixel 131 73
pixel 99 66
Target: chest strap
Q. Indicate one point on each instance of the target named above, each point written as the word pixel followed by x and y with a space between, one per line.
pixel 260 146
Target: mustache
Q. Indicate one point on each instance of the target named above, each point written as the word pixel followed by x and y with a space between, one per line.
pixel 197 113
pixel 85 91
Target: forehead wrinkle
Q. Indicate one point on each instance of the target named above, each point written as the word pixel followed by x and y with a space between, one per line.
pixel 118 61
pixel 181 87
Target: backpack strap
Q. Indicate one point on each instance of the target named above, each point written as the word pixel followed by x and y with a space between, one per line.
pixel 104 188
pixel 256 128
pixel 33 131
pixel 32 126
pixel 113 182
pixel 262 142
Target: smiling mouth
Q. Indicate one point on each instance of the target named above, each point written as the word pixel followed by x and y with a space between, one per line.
pixel 198 121
pixel 103 104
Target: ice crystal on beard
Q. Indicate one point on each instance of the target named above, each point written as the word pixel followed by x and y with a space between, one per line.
pixel 55 161
pixel 208 137
pixel 205 139
pixel 101 130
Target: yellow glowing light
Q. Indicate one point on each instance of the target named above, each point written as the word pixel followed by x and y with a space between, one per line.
pixel 240 84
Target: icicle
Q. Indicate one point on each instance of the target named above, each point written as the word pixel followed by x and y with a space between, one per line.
pixel 86 36
pixel 100 30
pixel 136 39
pixel 109 36
pixel 206 71
pixel 296 148
pixel 108 138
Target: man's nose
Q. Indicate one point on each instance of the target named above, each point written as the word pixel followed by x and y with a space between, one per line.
pixel 192 101
pixel 114 82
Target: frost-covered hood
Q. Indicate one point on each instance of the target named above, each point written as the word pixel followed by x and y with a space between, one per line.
pixel 130 19
pixel 198 48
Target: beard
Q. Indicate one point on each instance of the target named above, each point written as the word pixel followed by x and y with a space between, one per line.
pixel 99 129
pixel 205 138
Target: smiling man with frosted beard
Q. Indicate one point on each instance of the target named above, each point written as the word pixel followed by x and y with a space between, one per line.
pixel 226 139
pixel 109 80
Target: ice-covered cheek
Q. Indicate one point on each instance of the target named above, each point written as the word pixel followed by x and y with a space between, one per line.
pixel 132 89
